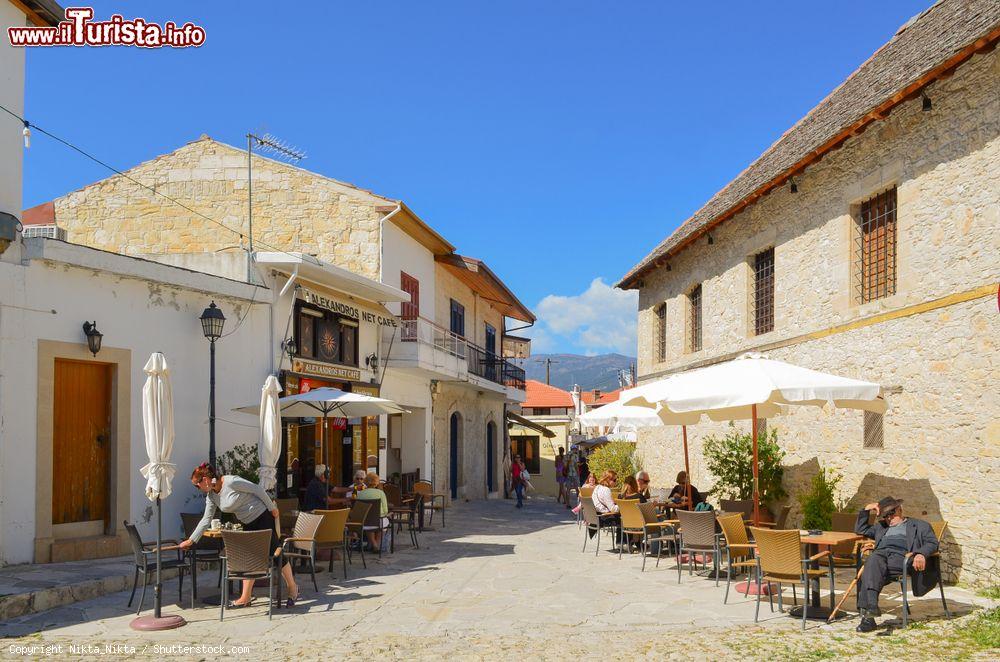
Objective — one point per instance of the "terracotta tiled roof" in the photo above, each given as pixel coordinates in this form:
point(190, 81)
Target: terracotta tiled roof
point(591, 398)
point(43, 214)
point(927, 47)
point(540, 394)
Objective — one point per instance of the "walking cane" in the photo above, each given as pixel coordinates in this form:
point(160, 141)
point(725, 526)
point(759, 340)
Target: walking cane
point(847, 593)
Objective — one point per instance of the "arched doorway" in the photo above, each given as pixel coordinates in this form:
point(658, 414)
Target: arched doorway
point(491, 433)
point(454, 436)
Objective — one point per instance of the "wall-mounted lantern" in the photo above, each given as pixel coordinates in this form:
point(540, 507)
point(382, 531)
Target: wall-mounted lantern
point(289, 347)
point(94, 337)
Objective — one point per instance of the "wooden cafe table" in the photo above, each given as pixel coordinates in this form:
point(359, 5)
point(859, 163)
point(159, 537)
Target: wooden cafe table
point(813, 543)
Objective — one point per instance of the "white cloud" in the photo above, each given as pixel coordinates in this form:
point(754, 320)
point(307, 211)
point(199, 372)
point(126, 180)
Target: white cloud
point(600, 319)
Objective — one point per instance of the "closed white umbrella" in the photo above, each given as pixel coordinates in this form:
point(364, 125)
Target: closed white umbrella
point(752, 386)
point(158, 429)
point(269, 443)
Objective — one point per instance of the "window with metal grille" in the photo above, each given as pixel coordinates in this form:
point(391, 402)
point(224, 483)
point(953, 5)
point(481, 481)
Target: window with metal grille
point(763, 291)
point(694, 324)
point(875, 248)
point(874, 430)
point(661, 332)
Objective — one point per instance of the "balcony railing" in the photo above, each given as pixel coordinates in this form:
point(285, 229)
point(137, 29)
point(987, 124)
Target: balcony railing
point(422, 330)
point(482, 363)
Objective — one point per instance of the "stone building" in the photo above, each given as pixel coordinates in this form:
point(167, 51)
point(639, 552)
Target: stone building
point(864, 242)
point(442, 357)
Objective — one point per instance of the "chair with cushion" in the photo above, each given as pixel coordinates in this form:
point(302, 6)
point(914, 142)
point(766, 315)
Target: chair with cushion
point(248, 556)
point(739, 551)
point(586, 492)
point(144, 554)
point(356, 527)
point(939, 528)
point(302, 543)
point(655, 532)
point(431, 499)
point(331, 533)
point(206, 550)
point(596, 523)
point(780, 561)
point(697, 537)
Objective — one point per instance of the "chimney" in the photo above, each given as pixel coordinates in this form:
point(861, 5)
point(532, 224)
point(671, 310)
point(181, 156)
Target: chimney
point(597, 394)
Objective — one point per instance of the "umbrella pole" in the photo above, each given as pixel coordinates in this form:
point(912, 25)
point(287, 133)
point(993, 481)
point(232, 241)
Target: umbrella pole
point(322, 443)
point(756, 472)
point(687, 466)
point(158, 592)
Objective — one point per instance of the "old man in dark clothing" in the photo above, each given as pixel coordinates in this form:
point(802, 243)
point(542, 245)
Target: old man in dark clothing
point(902, 544)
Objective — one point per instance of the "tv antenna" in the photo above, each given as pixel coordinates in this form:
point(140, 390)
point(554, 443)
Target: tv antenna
point(274, 146)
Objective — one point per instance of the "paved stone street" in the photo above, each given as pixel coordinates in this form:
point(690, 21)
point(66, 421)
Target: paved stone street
point(496, 583)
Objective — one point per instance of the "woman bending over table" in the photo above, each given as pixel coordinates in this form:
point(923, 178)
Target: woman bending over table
point(252, 507)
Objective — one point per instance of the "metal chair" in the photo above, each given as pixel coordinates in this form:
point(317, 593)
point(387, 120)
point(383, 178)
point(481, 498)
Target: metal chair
point(145, 562)
point(407, 515)
point(356, 527)
point(596, 522)
point(426, 488)
point(654, 531)
point(739, 551)
point(331, 533)
point(697, 535)
point(780, 561)
point(742, 506)
point(302, 543)
point(781, 521)
point(206, 550)
point(585, 493)
point(373, 520)
point(632, 523)
point(844, 553)
point(248, 556)
point(285, 515)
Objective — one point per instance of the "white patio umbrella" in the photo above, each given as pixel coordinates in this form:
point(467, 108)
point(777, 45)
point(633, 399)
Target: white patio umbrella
point(158, 428)
point(269, 443)
point(326, 402)
point(752, 386)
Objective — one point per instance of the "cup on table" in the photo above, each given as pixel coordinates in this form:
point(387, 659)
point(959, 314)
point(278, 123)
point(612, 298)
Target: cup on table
point(216, 524)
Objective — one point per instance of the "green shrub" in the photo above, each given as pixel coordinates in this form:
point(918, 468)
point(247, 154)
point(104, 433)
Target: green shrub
point(619, 456)
point(818, 504)
point(730, 460)
point(242, 460)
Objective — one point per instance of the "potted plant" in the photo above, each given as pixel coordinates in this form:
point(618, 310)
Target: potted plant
point(730, 459)
point(819, 504)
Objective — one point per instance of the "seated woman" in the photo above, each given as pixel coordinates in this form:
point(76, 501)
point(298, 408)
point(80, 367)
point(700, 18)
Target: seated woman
point(678, 495)
point(604, 502)
point(591, 482)
point(252, 506)
point(359, 482)
point(372, 492)
point(631, 489)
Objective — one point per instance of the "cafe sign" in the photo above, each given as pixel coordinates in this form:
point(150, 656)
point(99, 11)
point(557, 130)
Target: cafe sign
point(348, 310)
point(318, 369)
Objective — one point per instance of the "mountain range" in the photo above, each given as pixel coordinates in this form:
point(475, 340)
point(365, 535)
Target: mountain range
point(590, 372)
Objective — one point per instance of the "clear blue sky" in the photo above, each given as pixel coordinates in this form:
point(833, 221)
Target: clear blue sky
point(557, 140)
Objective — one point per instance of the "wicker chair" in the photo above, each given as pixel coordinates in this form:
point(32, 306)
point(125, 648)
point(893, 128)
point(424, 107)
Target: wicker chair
point(356, 527)
point(780, 561)
point(654, 531)
point(206, 550)
point(782, 520)
point(145, 562)
point(373, 520)
point(248, 556)
point(302, 543)
point(407, 515)
point(392, 494)
point(596, 522)
point(425, 488)
point(586, 492)
point(844, 554)
point(697, 535)
point(739, 551)
point(286, 515)
point(939, 528)
point(632, 523)
point(331, 533)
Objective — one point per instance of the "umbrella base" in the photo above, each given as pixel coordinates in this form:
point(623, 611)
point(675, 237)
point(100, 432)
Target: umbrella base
point(152, 623)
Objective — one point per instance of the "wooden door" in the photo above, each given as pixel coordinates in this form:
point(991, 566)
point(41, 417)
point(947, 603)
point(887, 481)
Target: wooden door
point(81, 441)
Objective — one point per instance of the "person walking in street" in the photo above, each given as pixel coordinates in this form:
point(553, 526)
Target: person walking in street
point(561, 477)
point(515, 479)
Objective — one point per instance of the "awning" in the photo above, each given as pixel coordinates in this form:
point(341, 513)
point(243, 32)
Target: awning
point(515, 419)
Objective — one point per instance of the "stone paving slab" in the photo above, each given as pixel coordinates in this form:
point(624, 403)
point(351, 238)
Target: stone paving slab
point(494, 573)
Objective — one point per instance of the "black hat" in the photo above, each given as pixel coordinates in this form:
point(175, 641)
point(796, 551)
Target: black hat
point(887, 505)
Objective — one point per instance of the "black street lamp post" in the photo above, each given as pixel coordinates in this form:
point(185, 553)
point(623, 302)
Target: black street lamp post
point(212, 321)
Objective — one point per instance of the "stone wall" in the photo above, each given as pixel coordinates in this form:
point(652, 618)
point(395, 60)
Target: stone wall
point(933, 343)
point(478, 311)
point(293, 209)
point(475, 409)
